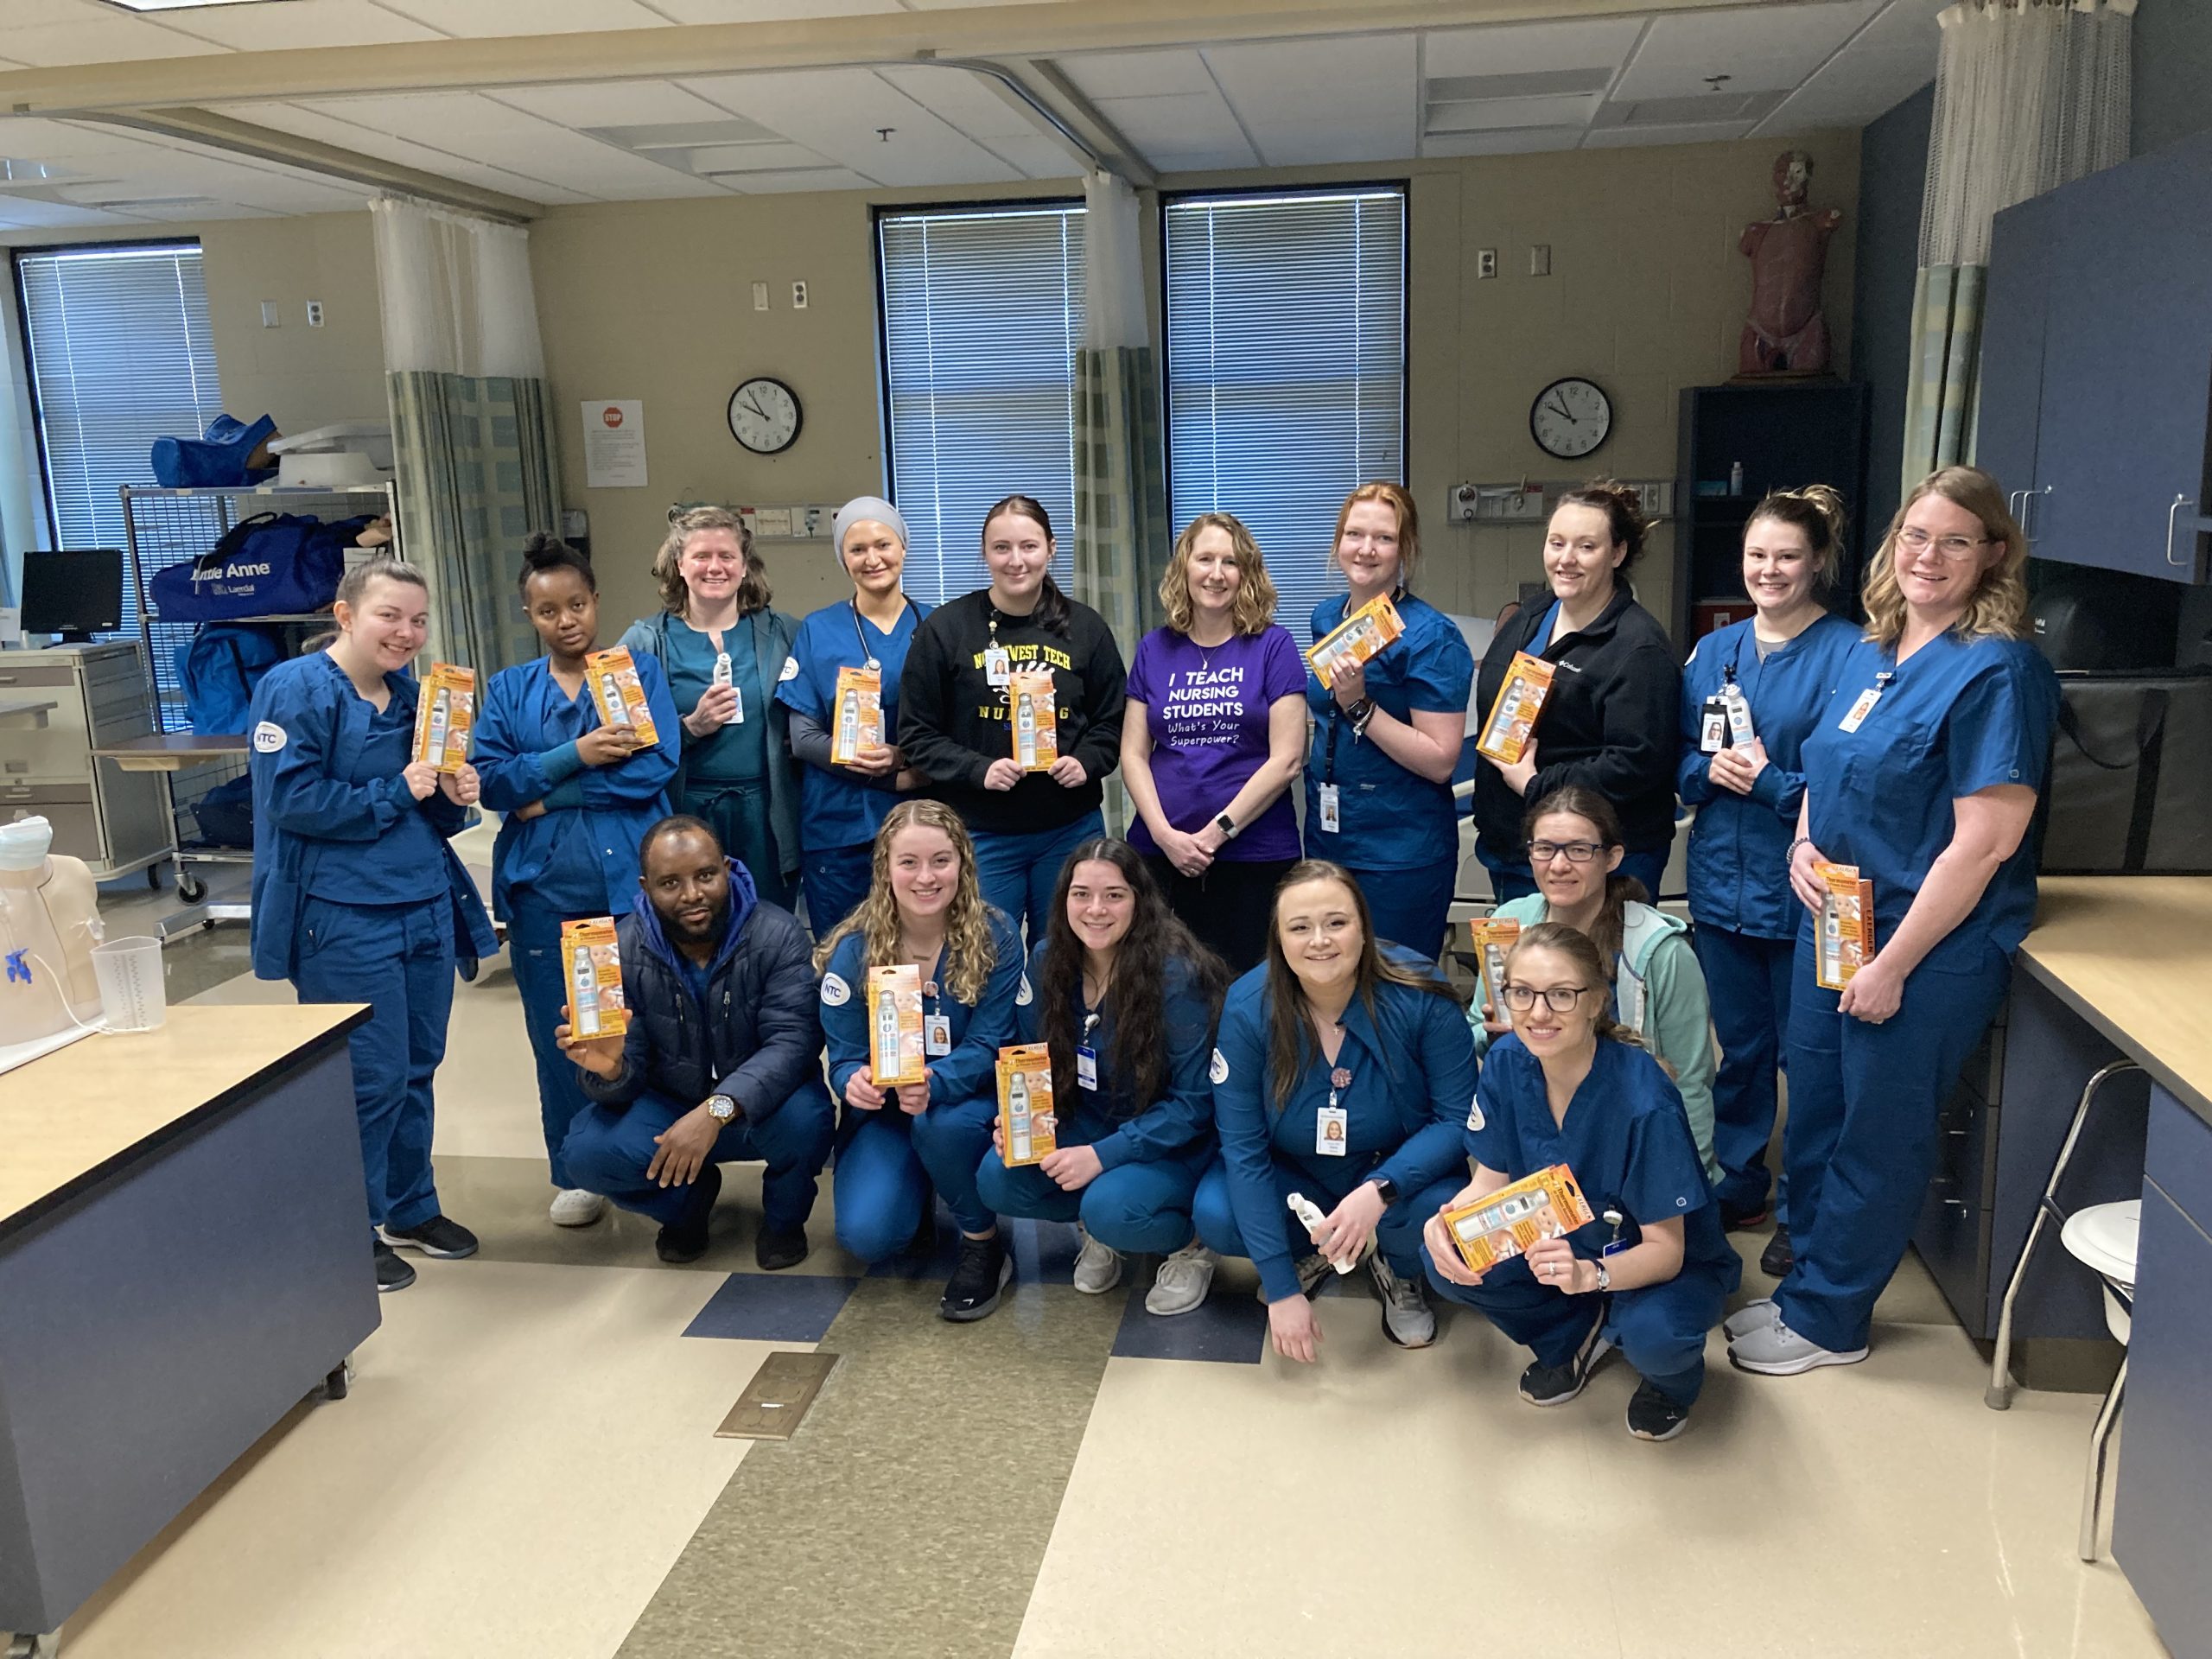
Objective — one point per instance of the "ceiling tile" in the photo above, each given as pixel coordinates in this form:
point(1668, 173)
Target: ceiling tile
point(838, 113)
point(1894, 56)
point(1519, 48)
point(1760, 49)
point(34, 138)
point(1352, 99)
point(1516, 141)
point(1492, 114)
point(488, 18)
point(1136, 74)
point(300, 22)
point(769, 184)
point(1038, 157)
point(756, 11)
point(611, 103)
point(963, 98)
point(98, 34)
point(1701, 133)
point(1173, 127)
point(360, 128)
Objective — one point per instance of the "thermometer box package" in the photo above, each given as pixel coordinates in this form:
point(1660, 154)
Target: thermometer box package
point(1504, 1223)
point(443, 713)
point(894, 1025)
point(620, 694)
point(1362, 635)
point(1512, 719)
point(1847, 925)
point(594, 965)
point(1036, 714)
point(1493, 937)
point(860, 714)
point(1025, 1120)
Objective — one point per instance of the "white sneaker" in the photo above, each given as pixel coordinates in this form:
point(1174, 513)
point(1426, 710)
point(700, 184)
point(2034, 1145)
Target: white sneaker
point(1406, 1317)
point(1183, 1281)
point(1750, 1318)
point(574, 1207)
point(1099, 1269)
point(1774, 1349)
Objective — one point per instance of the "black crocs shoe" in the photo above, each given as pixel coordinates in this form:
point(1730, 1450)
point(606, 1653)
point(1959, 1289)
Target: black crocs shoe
point(972, 1293)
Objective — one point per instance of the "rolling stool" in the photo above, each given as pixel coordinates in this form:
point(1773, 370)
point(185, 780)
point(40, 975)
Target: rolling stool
point(2102, 1238)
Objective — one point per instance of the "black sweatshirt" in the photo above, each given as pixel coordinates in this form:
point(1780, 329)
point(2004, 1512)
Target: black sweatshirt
point(952, 720)
point(1612, 723)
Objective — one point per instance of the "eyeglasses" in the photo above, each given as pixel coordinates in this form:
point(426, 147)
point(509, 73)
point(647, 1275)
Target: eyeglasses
point(1951, 547)
point(1560, 999)
point(1577, 852)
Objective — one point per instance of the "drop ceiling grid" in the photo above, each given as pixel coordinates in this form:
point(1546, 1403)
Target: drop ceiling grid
point(1760, 49)
point(836, 112)
point(1308, 102)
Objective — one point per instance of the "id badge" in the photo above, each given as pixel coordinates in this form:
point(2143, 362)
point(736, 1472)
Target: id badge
point(998, 665)
point(1860, 710)
point(1332, 1124)
point(1330, 820)
point(1086, 1068)
point(1713, 727)
point(737, 715)
point(936, 1034)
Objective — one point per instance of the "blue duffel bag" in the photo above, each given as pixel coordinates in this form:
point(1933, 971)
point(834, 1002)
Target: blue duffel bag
point(271, 564)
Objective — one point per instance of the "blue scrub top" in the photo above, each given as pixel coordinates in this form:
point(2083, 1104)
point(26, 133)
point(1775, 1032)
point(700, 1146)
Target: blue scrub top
point(1624, 1135)
point(406, 864)
point(1738, 852)
point(1412, 1074)
point(1391, 819)
point(1958, 716)
point(837, 811)
point(739, 753)
point(979, 1028)
point(581, 856)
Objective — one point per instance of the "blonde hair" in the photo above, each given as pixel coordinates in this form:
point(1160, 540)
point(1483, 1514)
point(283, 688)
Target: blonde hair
point(1394, 496)
point(970, 952)
point(752, 593)
point(1999, 605)
point(1814, 511)
point(1254, 606)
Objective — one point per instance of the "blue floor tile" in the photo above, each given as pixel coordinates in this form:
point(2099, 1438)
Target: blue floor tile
point(1230, 1326)
point(772, 1308)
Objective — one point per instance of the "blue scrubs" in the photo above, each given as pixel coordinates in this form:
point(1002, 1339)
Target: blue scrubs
point(358, 898)
point(840, 814)
point(1398, 833)
point(1747, 918)
point(888, 1160)
point(578, 859)
point(1955, 717)
point(1412, 1073)
point(1626, 1136)
point(1153, 1154)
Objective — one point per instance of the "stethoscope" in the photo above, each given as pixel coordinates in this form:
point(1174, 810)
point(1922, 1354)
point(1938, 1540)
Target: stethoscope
point(868, 657)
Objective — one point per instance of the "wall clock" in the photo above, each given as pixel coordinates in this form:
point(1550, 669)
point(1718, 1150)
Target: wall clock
point(1570, 418)
point(764, 416)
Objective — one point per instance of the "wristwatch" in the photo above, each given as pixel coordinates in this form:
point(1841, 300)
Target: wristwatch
point(1604, 1279)
point(1360, 713)
point(1387, 1187)
point(720, 1108)
point(1227, 825)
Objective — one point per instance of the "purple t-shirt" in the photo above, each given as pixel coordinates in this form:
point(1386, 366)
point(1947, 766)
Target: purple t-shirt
point(1206, 709)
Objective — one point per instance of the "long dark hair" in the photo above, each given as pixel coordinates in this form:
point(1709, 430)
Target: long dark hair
point(1053, 609)
point(1138, 990)
point(1621, 891)
point(1291, 1043)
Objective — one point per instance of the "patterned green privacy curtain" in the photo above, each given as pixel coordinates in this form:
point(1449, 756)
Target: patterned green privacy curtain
point(1943, 399)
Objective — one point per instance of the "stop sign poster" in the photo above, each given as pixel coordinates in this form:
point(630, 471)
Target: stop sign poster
point(614, 443)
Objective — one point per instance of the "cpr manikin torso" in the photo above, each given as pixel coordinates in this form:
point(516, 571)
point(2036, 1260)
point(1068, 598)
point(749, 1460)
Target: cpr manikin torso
point(49, 922)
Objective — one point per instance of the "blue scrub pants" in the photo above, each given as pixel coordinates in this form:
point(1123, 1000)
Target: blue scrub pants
point(1507, 881)
point(835, 879)
point(1660, 1329)
point(1648, 867)
point(1865, 1101)
point(534, 953)
point(738, 813)
point(1139, 1208)
point(398, 959)
point(1410, 906)
point(1397, 1234)
point(887, 1163)
point(1019, 873)
point(609, 1148)
point(1748, 979)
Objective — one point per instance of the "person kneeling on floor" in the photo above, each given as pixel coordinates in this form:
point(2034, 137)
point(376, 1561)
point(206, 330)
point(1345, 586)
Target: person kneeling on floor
point(1651, 1274)
point(723, 1061)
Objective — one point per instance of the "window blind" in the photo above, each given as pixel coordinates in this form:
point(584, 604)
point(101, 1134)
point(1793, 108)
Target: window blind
point(1285, 368)
point(982, 315)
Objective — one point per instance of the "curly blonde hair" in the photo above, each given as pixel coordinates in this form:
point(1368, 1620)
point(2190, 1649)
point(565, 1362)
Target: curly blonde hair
point(970, 955)
point(1999, 607)
point(752, 593)
point(1255, 592)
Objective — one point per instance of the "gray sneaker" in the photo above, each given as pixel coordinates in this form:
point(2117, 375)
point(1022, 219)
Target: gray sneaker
point(1748, 1318)
point(1406, 1317)
point(1098, 1268)
point(1774, 1349)
point(1183, 1281)
point(1313, 1271)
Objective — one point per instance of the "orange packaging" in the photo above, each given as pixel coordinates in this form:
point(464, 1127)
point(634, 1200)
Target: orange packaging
point(1026, 1119)
point(1493, 937)
point(1512, 719)
point(894, 1025)
point(1847, 925)
point(612, 676)
point(1033, 706)
point(1360, 636)
point(858, 716)
point(594, 965)
point(1504, 1223)
point(443, 713)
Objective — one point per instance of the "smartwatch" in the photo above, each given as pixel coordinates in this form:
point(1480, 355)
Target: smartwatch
point(1360, 713)
point(1227, 825)
point(1383, 1185)
point(1604, 1279)
point(720, 1108)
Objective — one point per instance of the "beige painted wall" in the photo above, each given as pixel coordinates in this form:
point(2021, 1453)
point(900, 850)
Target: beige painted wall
point(304, 376)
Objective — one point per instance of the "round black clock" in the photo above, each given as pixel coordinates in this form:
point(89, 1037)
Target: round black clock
point(764, 416)
point(1570, 418)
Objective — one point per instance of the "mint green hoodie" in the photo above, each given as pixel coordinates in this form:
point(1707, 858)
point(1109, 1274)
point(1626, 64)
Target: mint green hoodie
point(1658, 992)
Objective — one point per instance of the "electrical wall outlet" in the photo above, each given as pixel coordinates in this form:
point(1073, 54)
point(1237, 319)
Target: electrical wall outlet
point(798, 296)
point(759, 297)
point(1486, 262)
point(315, 313)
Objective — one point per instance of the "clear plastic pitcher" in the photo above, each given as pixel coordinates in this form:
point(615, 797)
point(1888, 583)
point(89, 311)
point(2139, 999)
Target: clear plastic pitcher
point(132, 995)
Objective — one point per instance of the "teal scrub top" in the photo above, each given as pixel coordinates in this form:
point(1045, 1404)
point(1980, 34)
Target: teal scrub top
point(739, 753)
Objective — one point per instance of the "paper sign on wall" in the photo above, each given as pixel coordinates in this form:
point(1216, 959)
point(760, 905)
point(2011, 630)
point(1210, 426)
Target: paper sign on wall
point(614, 444)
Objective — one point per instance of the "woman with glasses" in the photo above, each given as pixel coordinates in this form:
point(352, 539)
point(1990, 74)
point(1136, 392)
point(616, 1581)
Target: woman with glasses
point(1652, 976)
point(1922, 775)
point(1649, 1274)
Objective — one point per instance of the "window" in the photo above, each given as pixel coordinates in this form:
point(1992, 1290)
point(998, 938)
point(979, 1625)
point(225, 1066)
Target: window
point(982, 315)
point(1285, 368)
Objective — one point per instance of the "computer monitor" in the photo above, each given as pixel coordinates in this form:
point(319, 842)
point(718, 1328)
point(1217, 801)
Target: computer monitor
point(76, 594)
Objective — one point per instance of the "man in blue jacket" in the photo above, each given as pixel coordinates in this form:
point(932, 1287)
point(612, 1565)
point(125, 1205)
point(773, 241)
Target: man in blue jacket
point(723, 1059)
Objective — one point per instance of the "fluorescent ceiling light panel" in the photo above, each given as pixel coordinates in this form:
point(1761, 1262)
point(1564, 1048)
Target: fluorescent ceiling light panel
point(189, 5)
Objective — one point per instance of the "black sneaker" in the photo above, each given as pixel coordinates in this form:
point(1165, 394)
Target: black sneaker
point(972, 1293)
point(778, 1248)
point(444, 1240)
point(392, 1274)
point(1554, 1385)
point(1654, 1416)
point(685, 1239)
point(1779, 1256)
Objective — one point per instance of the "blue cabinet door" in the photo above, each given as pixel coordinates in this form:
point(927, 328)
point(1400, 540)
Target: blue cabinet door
point(2015, 307)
